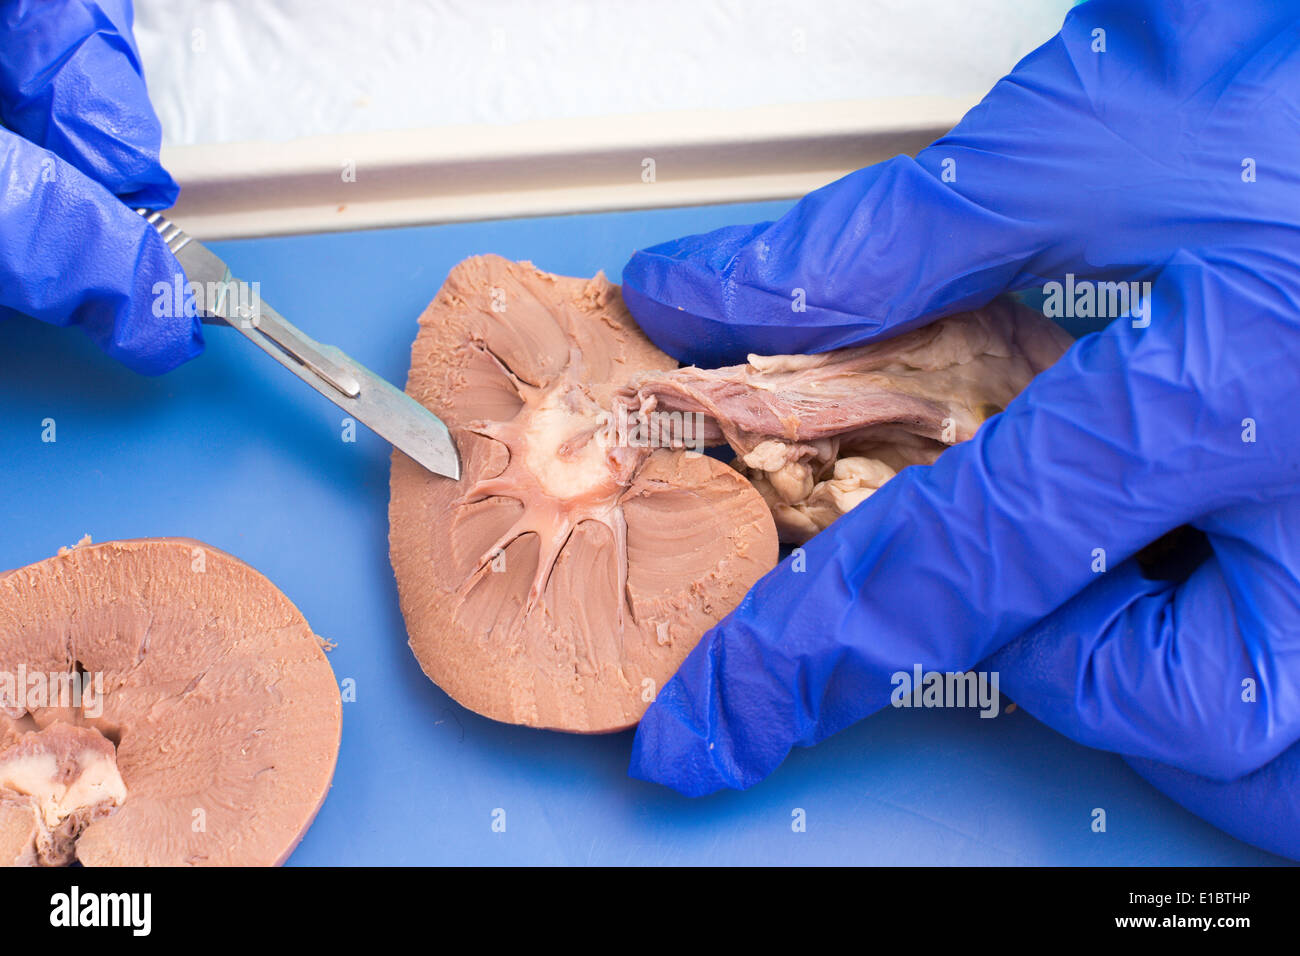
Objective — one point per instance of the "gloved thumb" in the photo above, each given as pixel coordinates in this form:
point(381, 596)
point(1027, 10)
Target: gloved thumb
point(1193, 673)
point(877, 251)
point(72, 254)
point(1262, 808)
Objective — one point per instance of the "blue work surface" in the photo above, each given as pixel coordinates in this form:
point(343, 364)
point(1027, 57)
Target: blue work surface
point(234, 451)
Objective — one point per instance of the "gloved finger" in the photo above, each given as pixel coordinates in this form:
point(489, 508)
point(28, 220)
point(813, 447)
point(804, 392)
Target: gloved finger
point(71, 81)
point(72, 254)
point(1132, 433)
point(1202, 674)
point(1261, 808)
point(1076, 162)
point(853, 260)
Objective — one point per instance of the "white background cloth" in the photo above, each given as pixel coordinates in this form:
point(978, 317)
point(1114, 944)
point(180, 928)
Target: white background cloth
point(228, 71)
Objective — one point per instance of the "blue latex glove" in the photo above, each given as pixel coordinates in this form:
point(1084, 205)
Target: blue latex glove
point(78, 149)
point(1129, 163)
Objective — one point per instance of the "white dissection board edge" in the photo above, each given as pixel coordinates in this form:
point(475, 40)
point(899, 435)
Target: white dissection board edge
point(451, 174)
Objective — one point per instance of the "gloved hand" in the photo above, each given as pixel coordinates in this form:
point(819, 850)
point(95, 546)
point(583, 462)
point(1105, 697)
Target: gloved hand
point(1146, 141)
point(78, 150)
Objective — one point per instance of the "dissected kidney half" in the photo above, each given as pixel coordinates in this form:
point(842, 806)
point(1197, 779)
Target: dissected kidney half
point(161, 704)
point(568, 573)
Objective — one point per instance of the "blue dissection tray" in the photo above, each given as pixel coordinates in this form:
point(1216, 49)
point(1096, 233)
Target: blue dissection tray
point(236, 452)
